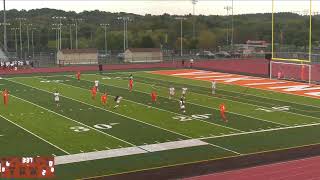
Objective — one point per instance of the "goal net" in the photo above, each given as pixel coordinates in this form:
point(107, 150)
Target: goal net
point(290, 71)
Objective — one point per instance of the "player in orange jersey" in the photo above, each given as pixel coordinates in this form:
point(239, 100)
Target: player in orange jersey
point(154, 96)
point(78, 75)
point(5, 95)
point(93, 92)
point(222, 112)
point(130, 84)
point(104, 99)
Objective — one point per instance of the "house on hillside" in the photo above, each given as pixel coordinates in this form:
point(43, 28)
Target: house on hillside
point(138, 55)
point(77, 56)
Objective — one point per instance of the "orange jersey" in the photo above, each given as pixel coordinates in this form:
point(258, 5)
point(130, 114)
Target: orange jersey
point(94, 91)
point(222, 108)
point(78, 75)
point(154, 94)
point(104, 98)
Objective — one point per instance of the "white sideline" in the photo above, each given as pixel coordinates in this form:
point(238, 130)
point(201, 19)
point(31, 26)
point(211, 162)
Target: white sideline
point(89, 156)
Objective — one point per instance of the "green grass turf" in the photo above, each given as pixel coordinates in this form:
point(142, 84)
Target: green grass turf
point(16, 141)
point(137, 121)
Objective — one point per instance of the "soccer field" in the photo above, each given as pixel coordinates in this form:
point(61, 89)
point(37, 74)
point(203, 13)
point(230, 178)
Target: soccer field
point(91, 140)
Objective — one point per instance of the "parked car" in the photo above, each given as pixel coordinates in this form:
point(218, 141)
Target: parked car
point(206, 54)
point(120, 56)
point(223, 54)
point(106, 55)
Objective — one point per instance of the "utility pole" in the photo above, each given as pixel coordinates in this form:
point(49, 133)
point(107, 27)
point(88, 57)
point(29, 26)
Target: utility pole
point(77, 20)
point(232, 26)
point(5, 46)
point(15, 38)
point(105, 37)
point(28, 38)
point(125, 32)
point(228, 8)
point(181, 33)
point(57, 37)
point(70, 32)
point(60, 29)
point(194, 2)
point(20, 28)
point(32, 43)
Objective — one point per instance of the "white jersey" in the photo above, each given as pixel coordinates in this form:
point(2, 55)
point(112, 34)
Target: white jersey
point(184, 91)
point(171, 90)
point(56, 96)
point(181, 103)
point(118, 99)
point(213, 85)
point(96, 83)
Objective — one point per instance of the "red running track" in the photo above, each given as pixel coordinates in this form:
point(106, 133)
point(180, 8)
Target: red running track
point(303, 169)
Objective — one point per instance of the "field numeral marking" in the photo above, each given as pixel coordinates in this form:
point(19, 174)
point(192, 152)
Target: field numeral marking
point(275, 109)
point(97, 126)
point(192, 117)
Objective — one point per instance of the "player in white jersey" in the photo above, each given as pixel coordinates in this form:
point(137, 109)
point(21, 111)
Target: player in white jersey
point(213, 87)
point(182, 105)
point(117, 100)
point(171, 92)
point(96, 84)
point(184, 92)
point(56, 98)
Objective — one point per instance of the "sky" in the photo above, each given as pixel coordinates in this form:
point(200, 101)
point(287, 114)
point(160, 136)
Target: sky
point(177, 7)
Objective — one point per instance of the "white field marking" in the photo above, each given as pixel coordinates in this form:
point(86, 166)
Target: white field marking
point(1, 135)
point(167, 110)
point(115, 113)
point(260, 131)
point(109, 111)
point(216, 76)
point(35, 135)
point(265, 83)
point(247, 93)
point(89, 156)
point(250, 105)
point(224, 148)
point(215, 109)
point(74, 120)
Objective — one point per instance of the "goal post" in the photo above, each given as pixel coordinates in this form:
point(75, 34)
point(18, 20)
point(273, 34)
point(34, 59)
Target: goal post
point(282, 49)
point(291, 71)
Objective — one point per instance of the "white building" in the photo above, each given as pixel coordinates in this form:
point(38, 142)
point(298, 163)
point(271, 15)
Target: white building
point(138, 55)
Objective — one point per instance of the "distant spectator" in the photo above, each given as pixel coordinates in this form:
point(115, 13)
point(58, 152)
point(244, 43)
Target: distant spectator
point(182, 63)
point(191, 63)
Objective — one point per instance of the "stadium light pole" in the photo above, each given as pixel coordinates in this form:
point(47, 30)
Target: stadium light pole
point(105, 37)
point(15, 38)
point(57, 37)
point(232, 24)
point(5, 46)
point(32, 43)
point(28, 38)
point(125, 32)
point(181, 33)
point(77, 20)
point(60, 18)
point(20, 27)
point(228, 8)
point(70, 32)
point(194, 2)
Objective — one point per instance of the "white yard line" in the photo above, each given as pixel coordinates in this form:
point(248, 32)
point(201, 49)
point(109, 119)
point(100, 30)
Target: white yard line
point(241, 103)
point(70, 118)
point(164, 109)
point(114, 113)
point(261, 131)
point(215, 109)
point(35, 135)
point(244, 93)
